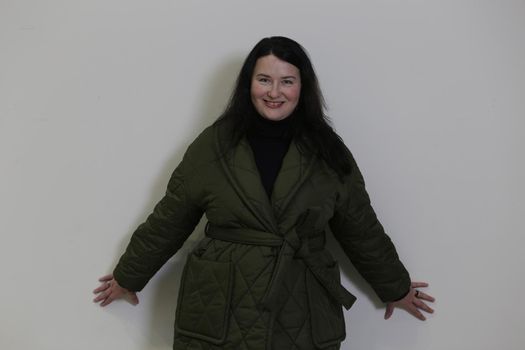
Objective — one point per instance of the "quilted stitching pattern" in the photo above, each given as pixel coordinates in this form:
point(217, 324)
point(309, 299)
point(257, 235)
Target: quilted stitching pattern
point(292, 320)
point(205, 299)
point(234, 197)
point(328, 323)
point(247, 324)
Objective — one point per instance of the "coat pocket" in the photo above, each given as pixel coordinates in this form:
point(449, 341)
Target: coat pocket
point(204, 299)
point(328, 324)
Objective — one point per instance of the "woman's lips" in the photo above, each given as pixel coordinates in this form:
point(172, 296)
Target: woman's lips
point(273, 104)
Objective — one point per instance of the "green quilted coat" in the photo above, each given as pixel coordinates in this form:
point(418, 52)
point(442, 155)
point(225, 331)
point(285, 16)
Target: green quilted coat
point(261, 278)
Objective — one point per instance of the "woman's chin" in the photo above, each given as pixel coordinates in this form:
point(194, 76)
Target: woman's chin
point(274, 116)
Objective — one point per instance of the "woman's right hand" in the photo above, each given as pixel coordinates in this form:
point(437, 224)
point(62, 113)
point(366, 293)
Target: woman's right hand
point(110, 290)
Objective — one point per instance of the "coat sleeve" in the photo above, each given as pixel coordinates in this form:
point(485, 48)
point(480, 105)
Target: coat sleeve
point(362, 237)
point(162, 234)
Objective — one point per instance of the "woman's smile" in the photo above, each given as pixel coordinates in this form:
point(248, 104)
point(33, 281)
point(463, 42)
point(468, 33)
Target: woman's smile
point(273, 104)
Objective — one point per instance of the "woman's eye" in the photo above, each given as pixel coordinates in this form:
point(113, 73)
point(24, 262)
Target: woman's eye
point(288, 82)
point(264, 80)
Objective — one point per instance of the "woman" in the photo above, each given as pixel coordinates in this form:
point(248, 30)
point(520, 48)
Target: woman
point(271, 176)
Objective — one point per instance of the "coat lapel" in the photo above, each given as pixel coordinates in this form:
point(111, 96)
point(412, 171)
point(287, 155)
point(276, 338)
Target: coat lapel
point(242, 173)
point(296, 168)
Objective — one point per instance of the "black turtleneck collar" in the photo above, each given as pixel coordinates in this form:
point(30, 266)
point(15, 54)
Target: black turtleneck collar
point(273, 129)
point(269, 140)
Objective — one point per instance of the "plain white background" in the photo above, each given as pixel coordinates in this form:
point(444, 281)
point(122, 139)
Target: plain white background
point(99, 99)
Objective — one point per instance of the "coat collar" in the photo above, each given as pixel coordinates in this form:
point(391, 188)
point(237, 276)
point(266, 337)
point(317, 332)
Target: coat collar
point(241, 170)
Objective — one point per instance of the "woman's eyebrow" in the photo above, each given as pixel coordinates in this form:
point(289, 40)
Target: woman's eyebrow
point(268, 76)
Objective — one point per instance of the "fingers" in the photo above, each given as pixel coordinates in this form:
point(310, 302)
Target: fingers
point(425, 296)
point(107, 296)
point(102, 288)
point(412, 309)
point(423, 306)
point(102, 296)
point(413, 302)
point(108, 300)
point(389, 311)
point(106, 278)
point(421, 295)
point(107, 292)
point(419, 284)
point(417, 303)
point(110, 290)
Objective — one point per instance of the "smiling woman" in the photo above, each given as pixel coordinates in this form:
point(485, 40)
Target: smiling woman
point(276, 87)
point(281, 177)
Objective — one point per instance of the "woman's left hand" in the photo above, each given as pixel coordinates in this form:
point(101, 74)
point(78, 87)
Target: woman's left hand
point(110, 290)
point(412, 302)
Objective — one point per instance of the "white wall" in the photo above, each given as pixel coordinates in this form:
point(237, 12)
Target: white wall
point(98, 100)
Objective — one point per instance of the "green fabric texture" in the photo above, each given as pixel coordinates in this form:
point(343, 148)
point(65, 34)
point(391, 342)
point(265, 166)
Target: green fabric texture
point(267, 282)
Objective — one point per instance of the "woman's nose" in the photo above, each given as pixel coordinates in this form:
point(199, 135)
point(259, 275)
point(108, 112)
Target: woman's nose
point(274, 91)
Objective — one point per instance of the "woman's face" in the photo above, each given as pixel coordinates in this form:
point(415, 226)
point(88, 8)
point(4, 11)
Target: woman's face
point(275, 88)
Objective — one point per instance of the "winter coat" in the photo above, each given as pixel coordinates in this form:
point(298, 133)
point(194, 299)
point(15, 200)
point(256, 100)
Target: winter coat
point(261, 277)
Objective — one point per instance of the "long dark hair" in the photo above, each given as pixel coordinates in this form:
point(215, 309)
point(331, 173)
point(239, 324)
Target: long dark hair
point(310, 125)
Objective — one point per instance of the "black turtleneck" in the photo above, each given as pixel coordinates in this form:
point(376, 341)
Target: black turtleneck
point(269, 140)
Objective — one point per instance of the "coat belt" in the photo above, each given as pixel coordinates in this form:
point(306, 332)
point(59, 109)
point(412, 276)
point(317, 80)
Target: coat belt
point(295, 243)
